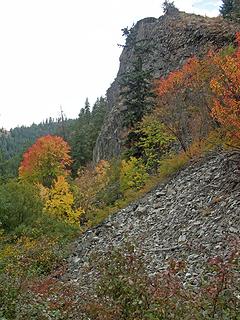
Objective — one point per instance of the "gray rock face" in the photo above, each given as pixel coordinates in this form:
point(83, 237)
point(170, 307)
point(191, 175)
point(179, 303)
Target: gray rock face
point(192, 217)
point(176, 38)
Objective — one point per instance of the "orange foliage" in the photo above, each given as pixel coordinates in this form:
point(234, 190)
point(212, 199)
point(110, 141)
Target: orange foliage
point(200, 96)
point(184, 101)
point(226, 87)
point(90, 182)
point(179, 78)
point(46, 159)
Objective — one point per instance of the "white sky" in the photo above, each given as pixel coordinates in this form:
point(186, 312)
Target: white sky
point(58, 52)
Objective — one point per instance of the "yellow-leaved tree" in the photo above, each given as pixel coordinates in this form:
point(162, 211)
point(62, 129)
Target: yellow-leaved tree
point(90, 182)
point(133, 174)
point(59, 201)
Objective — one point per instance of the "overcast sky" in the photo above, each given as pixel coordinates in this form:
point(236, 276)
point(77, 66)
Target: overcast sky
point(58, 52)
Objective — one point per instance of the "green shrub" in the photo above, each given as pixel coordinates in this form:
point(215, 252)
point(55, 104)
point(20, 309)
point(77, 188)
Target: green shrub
point(150, 141)
point(9, 291)
point(122, 289)
point(133, 174)
point(20, 204)
point(112, 191)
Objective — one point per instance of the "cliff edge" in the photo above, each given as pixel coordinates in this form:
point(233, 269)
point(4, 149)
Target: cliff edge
point(176, 38)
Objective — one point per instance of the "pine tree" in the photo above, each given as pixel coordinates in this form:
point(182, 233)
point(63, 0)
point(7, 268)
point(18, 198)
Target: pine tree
point(136, 84)
point(169, 7)
point(230, 9)
point(87, 111)
point(98, 114)
point(80, 140)
point(137, 92)
point(86, 131)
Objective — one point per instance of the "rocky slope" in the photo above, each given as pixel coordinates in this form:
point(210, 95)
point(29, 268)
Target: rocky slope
point(176, 37)
point(192, 216)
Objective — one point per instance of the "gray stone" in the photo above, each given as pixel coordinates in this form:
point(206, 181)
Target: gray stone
point(141, 209)
point(175, 231)
point(175, 41)
point(182, 238)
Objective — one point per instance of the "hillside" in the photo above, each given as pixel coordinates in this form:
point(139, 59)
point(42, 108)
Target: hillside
point(175, 38)
point(80, 133)
point(192, 217)
point(146, 225)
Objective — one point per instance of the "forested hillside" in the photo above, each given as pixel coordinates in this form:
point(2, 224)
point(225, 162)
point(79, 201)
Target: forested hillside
point(151, 230)
point(14, 142)
point(81, 134)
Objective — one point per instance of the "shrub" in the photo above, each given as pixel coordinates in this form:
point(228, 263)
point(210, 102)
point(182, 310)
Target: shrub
point(150, 141)
point(122, 289)
point(59, 201)
point(225, 86)
point(9, 292)
point(133, 174)
point(89, 184)
point(111, 192)
point(125, 291)
point(20, 204)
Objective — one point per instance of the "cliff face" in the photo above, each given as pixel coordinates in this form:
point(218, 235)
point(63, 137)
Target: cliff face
point(176, 38)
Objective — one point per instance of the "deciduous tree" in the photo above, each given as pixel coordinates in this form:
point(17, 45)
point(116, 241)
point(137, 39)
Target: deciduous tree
point(45, 160)
point(226, 88)
point(59, 201)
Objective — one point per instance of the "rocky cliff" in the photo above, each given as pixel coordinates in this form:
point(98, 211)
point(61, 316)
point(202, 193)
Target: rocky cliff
point(191, 217)
point(176, 37)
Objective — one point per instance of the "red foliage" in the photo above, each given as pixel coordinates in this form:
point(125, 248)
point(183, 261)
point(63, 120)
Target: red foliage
point(201, 95)
point(46, 159)
point(226, 88)
point(184, 101)
point(179, 78)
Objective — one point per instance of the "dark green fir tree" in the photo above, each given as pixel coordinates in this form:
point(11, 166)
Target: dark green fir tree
point(137, 92)
point(136, 84)
point(86, 131)
point(230, 9)
point(169, 7)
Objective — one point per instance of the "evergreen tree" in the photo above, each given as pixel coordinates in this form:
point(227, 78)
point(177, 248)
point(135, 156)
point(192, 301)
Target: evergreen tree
point(86, 131)
point(230, 9)
point(136, 84)
point(169, 7)
point(98, 114)
point(137, 93)
point(80, 141)
point(87, 111)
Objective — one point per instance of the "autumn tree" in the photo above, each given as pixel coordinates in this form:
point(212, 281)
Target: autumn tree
point(59, 201)
point(185, 100)
point(90, 182)
point(226, 89)
point(45, 160)
point(133, 174)
point(150, 141)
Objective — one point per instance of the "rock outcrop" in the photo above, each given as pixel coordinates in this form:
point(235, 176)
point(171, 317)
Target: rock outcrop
point(176, 38)
point(192, 216)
